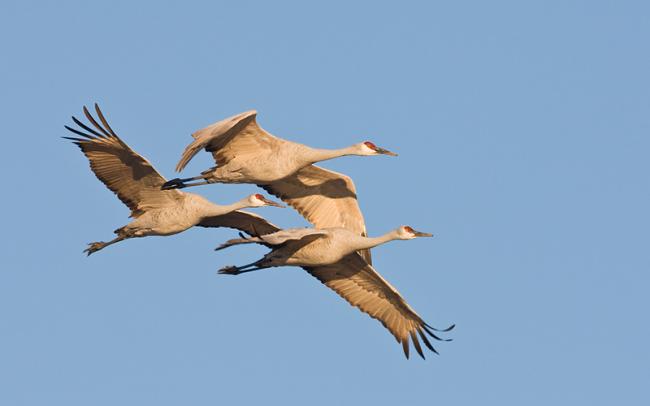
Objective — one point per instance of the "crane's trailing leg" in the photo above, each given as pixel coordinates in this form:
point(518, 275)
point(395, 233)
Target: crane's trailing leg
point(237, 241)
point(236, 270)
point(96, 246)
point(179, 183)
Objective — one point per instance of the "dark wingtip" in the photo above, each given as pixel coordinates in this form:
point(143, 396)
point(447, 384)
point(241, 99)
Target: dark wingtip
point(87, 136)
point(439, 330)
point(85, 127)
point(416, 344)
point(432, 334)
point(426, 340)
point(95, 123)
point(104, 121)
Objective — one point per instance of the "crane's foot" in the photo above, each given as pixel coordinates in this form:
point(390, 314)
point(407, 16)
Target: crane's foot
point(94, 247)
point(173, 184)
point(229, 270)
point(236, 270)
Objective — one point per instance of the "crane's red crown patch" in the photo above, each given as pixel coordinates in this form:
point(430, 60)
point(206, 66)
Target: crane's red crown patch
point(370, 145)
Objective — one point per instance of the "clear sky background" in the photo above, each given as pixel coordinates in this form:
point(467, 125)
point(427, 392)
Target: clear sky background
point(523, 132)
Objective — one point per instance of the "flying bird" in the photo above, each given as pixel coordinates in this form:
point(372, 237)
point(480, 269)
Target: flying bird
point(138, 185)
point(331, 256)
point(246, 153)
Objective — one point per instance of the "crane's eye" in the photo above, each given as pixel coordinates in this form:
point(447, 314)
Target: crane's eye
point(259, 196)
point(409, 230)
point(370, 145)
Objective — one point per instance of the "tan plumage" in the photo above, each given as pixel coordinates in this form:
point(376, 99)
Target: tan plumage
point(240, 131)
point(325, 198)
point(126, 173)
point(250, 223)
point(246, 153)
point(329, 255)
point(359, 284)
point(139, 186)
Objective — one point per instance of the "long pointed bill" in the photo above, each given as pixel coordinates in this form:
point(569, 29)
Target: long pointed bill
point(421, 234)
point(272, 203)
point(385, 152)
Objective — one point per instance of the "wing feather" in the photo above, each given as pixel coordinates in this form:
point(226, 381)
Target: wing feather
point(126, 173)
point(359, 284)
point(291, 239)
point(325, 198)
point(250, 223)
point(223, 139)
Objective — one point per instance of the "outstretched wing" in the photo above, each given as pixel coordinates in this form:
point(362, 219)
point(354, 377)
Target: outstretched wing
point(325, 198)
point(250, 223)
point(357, 282)
point(130, 176)
point(236, 135)
point(293, 234)
point(292, 239)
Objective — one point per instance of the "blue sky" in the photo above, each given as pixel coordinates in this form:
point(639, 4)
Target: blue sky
point(523, 135)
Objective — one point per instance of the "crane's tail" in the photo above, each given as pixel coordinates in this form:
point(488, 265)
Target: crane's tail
point(238, 241)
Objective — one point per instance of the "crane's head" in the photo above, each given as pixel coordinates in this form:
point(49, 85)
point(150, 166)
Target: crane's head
point(258, 200)
point(408, 233)
point(368, 148)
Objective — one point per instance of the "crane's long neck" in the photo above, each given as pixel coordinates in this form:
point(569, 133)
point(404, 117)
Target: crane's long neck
point(313, 155)
point(371, 242)
point(218, 210)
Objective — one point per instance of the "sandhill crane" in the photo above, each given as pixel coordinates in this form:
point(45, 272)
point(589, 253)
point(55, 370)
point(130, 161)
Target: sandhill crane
point(138, 185)
point(329, 255)
point(245, 153)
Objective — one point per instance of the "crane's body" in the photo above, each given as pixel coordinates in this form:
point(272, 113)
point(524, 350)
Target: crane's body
point(139, 186)
point(336, 251)
point(188, 211)
point(330, 255)
point(245, 153)
point(315, 247)
point(269, 165)
point(330, 247)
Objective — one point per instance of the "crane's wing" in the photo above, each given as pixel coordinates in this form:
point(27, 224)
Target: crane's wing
point(122, 170)
point(292, 239)
point(358, 283)
point(237, 135)
point(290, 234)
point(325, 198)
point(250, 223)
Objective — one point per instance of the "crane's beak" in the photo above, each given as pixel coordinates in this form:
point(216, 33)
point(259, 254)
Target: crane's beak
point(385, 152)
point(421, 234)
point(272, 203)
